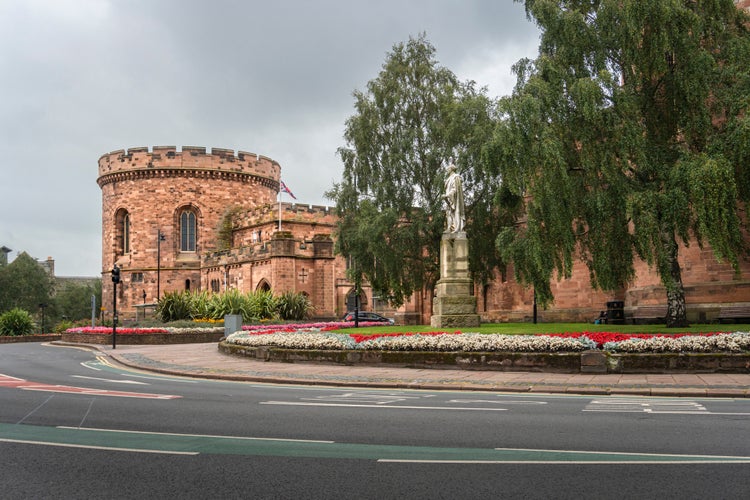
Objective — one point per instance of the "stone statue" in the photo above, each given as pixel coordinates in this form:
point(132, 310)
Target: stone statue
point(454, 196)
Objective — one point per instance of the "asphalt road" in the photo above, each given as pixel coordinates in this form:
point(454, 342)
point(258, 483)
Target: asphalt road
point(73, 426)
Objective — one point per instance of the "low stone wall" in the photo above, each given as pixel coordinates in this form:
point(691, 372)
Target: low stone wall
point(39, 337)
point(572, 362)
point(144, 339)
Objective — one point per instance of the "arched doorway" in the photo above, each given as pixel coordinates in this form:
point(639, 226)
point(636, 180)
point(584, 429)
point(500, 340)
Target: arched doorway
point(263, 286)
point(351, 300)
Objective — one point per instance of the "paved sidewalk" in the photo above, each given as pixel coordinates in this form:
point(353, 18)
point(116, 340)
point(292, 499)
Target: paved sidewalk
point(205, 361)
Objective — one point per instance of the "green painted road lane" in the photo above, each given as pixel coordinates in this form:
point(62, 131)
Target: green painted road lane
point(192, 444)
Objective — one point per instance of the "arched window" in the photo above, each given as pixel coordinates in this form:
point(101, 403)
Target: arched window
point(122, 232)
point(263, 286)
point(126, 234)
point(187, 231)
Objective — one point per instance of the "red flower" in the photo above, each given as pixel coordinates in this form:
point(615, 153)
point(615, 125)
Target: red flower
point(602, 338)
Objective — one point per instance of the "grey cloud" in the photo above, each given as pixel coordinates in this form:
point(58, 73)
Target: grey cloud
point(82, 78)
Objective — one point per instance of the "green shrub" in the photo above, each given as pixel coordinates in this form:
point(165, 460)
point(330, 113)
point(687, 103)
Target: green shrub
point(261, 305)
point(202, 305)
point(173, 306)
point(252, 306)
point(293, 306)
point(62, 326)
point(16, 322)
point(230, 302)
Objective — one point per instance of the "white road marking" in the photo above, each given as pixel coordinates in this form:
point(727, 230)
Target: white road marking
point(213, 436)
point(111, 380)
point(653, 407)
point(395, 407)
point(363, 397)
point(91, 447)
point(498, 401)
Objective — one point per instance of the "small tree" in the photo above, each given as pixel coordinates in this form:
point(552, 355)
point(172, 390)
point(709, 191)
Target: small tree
point(412, 119)
point(24, 284)
point(73, 301)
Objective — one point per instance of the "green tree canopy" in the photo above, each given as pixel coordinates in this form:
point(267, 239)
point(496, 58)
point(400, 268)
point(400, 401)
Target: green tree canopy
point(627, 135)
point(412, 119)
point(24, 284)
point(73, 301)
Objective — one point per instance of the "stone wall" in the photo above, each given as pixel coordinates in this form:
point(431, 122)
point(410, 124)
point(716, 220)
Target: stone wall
point(709, 286)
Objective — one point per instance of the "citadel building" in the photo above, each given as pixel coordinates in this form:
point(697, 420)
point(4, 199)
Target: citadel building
point(198, 220)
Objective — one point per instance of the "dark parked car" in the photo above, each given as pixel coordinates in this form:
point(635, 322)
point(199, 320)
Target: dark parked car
point(367, 316)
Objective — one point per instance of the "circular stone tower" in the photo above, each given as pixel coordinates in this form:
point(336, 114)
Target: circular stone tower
point(162, 209)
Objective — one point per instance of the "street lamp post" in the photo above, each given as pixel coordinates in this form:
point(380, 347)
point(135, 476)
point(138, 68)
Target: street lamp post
point(43, 306)
point(115, 281)
point(159, 238)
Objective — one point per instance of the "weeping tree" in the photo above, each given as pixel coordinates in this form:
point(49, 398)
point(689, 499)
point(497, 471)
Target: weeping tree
point(627, 136)
point(409, 122)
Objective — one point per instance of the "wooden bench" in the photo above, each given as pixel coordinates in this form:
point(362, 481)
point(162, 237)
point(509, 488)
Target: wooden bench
point(730, 314)
point(643, 315)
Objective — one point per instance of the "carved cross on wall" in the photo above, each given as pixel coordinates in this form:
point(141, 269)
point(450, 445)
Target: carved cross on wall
point(303, 275)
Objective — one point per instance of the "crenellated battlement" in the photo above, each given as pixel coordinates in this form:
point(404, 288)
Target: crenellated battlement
point(290, 212)
point(166, 161)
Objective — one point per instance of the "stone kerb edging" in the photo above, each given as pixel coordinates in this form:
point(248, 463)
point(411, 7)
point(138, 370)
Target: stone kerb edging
point(557, 362)
point(143, 339)
point(37, 337)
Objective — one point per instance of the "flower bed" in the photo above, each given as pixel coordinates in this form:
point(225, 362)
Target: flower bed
point(107, 330)
point(319, 336)
point(169, 335)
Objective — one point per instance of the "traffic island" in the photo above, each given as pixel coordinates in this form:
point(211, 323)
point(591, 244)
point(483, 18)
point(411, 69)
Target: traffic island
point(557, 362)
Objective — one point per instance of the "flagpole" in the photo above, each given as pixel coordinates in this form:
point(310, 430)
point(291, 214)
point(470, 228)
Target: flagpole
point(279, 207)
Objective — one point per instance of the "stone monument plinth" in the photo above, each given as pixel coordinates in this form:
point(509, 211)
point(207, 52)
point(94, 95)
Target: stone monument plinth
point(453, 304)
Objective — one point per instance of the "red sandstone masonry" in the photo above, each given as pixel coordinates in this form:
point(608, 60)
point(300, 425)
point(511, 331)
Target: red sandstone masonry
point(155, 186)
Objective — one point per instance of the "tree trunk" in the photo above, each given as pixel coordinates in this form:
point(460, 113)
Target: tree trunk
point(676, 311)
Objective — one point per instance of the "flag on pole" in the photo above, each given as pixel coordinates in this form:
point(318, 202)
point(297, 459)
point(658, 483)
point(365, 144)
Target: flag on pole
point(284, 189)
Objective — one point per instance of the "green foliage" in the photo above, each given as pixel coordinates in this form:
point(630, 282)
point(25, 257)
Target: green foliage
point(293, 306)
point(627, 135)
point(16, 322)
point(226, 227)
point(175, 306)
point(73, 301)
point(202, 305)
point(252, 306)
point(62, 326)
point(24, 284)
point(412, 119)
point(262, 305)
point(231, 302)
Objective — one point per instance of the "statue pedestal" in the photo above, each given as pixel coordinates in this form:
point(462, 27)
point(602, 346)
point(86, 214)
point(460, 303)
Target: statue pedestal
point(453, 305)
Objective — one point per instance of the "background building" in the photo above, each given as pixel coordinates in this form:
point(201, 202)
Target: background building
point(197, 220)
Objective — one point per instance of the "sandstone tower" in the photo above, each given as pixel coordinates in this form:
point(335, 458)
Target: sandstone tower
point(180, 195)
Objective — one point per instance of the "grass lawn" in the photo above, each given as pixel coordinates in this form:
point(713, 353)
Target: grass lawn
point(530, 328)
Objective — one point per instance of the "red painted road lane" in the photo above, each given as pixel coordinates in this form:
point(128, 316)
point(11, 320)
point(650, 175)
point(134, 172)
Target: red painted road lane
point(19, 383)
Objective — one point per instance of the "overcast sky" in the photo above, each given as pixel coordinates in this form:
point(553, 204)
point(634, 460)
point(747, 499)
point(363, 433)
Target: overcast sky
point(80, 78)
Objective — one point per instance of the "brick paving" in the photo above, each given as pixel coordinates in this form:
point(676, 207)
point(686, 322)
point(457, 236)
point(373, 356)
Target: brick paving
point(205, 361)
